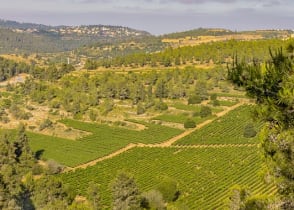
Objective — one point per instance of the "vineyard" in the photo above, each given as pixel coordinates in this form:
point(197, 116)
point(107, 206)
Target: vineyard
point(193, 107)
point(187, 112)
point(103, 141)
point(204, 176)
point(225, 130)
point(180, 118)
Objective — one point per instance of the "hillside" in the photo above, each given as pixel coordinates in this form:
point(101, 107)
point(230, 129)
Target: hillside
point(27, 37)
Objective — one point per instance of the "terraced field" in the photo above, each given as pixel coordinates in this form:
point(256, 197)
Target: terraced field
point(225, 130)
point(103, 141)
point(204, 175)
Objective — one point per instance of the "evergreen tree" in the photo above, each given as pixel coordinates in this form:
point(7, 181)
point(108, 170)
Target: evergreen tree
point(273, 89)
point(94, 196)
point(125, 193)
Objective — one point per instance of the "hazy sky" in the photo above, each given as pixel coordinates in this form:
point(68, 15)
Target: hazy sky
point(155, 16)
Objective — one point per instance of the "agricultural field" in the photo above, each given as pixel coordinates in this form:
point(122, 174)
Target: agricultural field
point(203, 175)
point(102, 141)
point(228, 129)
point(181, 118)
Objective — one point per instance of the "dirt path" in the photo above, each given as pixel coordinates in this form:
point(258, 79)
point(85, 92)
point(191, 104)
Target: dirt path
point(169, 142)
point(186, 133)
point(93, 162)
point(198, 146)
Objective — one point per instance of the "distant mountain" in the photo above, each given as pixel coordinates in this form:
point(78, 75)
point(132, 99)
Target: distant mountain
point(29, 37)
point(270, 33)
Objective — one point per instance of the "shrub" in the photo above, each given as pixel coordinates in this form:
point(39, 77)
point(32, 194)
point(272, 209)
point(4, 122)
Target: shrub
point(249, 131)
point(140, 109)
point(54, 167)
point(161, 106)
point(196, 99)
point(213, 96)
point(152, 200)
point(6, 103)
point(169, 189)
point(45, 124)
point(215, 103)
point(189, 123)
point(205, 111)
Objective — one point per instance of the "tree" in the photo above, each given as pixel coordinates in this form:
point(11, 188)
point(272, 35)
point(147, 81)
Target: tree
point(161, 106)
point(50, 193)
point(152, 200)
point(140, 109)
point(237, 198)
point(125, 193)
point(205, 111)
point(195, 99)
point(18, 189)
point(161, 89)
point(189, 123)
point(249, 131)
point(273, 89)
point(169, 189)
point(94, 196)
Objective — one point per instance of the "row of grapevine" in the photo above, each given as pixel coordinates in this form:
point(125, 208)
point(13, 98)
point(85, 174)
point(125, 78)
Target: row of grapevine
point(204, 176)
point(228, 129)
point(102, 141)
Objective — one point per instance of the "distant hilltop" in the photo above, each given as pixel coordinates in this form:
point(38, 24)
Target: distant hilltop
point(103, 31)
point(18, 37)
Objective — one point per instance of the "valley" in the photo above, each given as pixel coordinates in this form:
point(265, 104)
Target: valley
point(178, 121)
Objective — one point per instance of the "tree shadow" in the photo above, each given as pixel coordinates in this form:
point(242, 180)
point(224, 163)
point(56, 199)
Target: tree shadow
point(39, 154)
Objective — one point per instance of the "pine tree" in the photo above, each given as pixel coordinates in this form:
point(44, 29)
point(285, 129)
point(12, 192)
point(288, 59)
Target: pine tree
point(273, 89)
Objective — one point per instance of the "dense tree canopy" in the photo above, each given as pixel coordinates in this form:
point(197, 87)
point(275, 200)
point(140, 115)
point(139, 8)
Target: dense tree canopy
point(272, 87)
point(18, 187)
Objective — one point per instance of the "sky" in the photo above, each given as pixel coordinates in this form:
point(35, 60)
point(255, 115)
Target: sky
point(155, 16)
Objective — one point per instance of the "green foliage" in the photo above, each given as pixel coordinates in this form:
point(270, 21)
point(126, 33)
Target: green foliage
point(216, 103)
point(195, 99)
point(94, 196)
point(160, 106)
point(272, 87)
point(18, 188)
point(203, 53)
point(205, 111)
point(152, 200)
point(237, 197)
point(9, 68)
point(189, 123)
point(80, 93)
point(169, 189)
point(192, 169)
point(51, 194)
point(213, 97)
point(125, 193)
point(257, 203)
point(140, 109)
point(249, 131)
point(107, 106)
point(90, 64)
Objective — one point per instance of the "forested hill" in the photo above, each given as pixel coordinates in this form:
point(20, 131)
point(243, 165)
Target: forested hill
point(271, 33)
point(27, 37)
